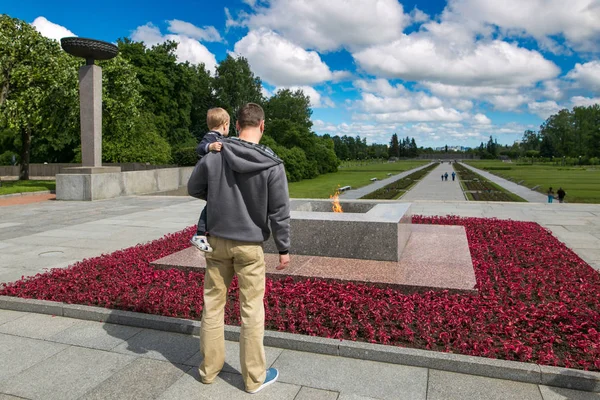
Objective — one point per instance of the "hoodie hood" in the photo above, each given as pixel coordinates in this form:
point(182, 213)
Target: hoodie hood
point(246, 157)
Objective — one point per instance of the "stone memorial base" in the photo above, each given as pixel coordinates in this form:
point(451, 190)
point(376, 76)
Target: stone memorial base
point(435, 257)
point(365, 230)
point(99, 183)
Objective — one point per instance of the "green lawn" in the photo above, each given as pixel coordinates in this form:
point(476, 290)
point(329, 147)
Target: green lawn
point(10, 187)
point(349, 174)
point(582, 184)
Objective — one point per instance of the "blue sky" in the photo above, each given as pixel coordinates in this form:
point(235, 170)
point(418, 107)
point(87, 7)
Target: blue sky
point(450, 72)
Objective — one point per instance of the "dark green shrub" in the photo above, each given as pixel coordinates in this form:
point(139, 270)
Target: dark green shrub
point(185, 156)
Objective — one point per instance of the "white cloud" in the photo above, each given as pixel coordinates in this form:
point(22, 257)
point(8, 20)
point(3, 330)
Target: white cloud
point(332, 24)
point(470, 92)
point(281, 62)
point(580, 101)
point(381, 87)
point(481, 119)
point(374, 133)
point(417, 16)
point(576, 20)
point(50, 29)
point(316, 99)
point(383, 102)
point(552, 89)
point(544, 109)
point(461, 104)
point(586, 75)
point(508, 102)
point(188, 49)
point(206, 34)
point(440, 114)
point(421, 58)
point(379, 105)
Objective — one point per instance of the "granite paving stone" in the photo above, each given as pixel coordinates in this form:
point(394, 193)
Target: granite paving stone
point(9, 397)
point(37, 326)
point(307, 393)
point(556, 393)
point(66, 375)
point(226, 386)
point(95, 335)
point(352, 396)
point(13, 274)
point(232, 357)
point(445, 385)
point(19, 354)
point(159, 345)
point(142, 379)
point(375, 379)
point(9, 315)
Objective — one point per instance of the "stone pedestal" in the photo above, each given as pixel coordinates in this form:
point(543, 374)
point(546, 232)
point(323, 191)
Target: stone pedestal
point(90, 101)
point(365, 230)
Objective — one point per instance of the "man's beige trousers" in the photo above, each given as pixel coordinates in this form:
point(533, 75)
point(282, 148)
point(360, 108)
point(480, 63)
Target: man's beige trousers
point(247, 261)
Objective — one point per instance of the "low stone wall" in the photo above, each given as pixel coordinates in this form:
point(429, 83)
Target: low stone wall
point(85, 187)
point(56, 168)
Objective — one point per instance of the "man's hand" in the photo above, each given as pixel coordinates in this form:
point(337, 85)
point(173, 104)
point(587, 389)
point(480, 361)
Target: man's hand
point(216, 146)
point(284, 261)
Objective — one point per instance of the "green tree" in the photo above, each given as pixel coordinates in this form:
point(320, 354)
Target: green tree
point(168, 88)
point(235, 85)
point(394, 146)
point(531, 140)
point(38, 90)
point(559, 129)
point(546, 147)
point(290, 105)
point(128, 133)
point(413, 150)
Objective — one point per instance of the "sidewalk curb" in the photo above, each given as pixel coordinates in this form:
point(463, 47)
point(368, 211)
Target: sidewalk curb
point(480, 366)
point(37, 193)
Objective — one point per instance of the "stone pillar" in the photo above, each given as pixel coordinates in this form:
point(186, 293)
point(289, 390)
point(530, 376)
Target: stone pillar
point(90, 101)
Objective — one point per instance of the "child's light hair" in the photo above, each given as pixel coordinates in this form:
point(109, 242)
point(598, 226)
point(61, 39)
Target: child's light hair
point(216, 117)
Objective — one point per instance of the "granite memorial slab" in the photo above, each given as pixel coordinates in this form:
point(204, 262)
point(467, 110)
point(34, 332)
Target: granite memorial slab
point(364, 230)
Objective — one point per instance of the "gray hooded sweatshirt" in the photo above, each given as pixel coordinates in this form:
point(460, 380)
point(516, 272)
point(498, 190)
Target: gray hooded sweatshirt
point(245, 187)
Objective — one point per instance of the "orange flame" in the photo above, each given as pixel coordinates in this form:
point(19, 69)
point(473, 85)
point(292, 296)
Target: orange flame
point(336, 206)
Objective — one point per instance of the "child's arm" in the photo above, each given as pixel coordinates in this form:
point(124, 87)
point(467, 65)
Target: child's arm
point(205, 144)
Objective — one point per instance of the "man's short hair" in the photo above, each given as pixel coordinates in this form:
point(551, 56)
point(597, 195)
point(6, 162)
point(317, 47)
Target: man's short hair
point(250, 115)
point(215, 117)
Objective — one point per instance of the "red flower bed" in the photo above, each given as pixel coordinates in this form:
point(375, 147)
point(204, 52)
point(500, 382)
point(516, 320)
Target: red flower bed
point(537, 302)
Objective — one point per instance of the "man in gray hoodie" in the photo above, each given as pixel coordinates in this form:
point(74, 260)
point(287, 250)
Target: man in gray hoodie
point(246, 188)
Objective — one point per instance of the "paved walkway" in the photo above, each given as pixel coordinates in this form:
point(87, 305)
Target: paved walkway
point(431, 187)
point(25, 198)
point(363, 191)
point(45, 357)
point(530, 195)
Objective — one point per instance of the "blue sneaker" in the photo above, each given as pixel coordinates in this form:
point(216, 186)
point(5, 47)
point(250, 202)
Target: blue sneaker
point(272, 375)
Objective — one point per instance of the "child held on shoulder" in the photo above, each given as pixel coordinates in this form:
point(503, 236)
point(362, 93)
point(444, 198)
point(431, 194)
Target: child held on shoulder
point(217, 120)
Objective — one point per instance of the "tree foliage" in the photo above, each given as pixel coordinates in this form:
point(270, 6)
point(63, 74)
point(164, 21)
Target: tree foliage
point(36, 91)
point(235, 85)
point(569, 133)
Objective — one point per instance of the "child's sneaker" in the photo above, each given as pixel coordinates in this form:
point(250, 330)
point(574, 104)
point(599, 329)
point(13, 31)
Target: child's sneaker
point(201, 243)
point(272, 375)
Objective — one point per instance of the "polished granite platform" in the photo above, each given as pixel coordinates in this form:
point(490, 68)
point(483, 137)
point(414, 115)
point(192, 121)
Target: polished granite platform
point(436, 257)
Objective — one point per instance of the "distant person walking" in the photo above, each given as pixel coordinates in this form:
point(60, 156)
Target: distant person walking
point(446, 176)
point(442, 177)
point(453, 175)
point(550, 195)
point(561, 195)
